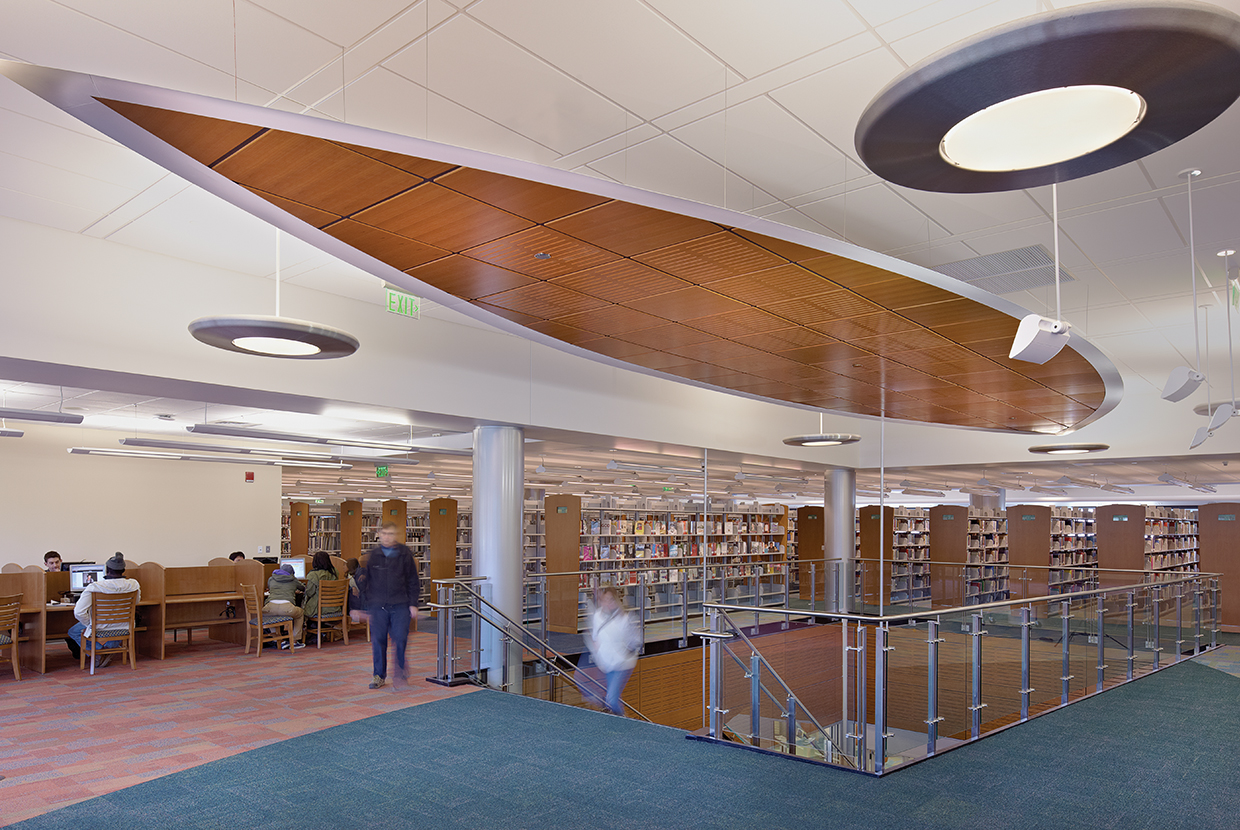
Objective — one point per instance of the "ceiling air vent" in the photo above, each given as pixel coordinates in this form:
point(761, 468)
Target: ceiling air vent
point(1021, 269)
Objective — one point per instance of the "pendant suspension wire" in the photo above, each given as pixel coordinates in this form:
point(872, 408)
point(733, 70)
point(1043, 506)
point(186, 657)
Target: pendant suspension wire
point(1055, 222)
point(1231, 360)
point(277, 272)
point(61, 408)
point(1192, 272)
point(882, 491)
point(1209, 386)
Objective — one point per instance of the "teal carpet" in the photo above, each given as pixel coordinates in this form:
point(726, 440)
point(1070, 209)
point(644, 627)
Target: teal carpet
point(1159, 753)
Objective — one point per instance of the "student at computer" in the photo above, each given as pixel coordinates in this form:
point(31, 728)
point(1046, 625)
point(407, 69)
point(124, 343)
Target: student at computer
point(114, 582)
point(282, 590)
point(52, 562)
point(236, 555)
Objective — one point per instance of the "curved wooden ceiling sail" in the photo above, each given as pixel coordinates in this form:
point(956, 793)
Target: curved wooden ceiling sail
point(695, 299)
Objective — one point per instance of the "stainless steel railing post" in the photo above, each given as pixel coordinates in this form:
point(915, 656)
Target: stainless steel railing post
point(1214, 612)
point(790, 726)
point(1132, 607)
point(1102, 666)
point(1025, 688)
point(783, 621)
point(862, 718)
point(1197, 618)
point(449, 630)
point(755, 699)
point(826, 602)
point(880, 697)
point(813, 586)
point(641, 609)
point(1179, 622)
point(1065, 677)
point(932, 686)
point(978, 706)
point(684, 609)
point(1157, 625)
point(505, 641)
point(542, 607)
point(475, 635)
point(716, 677)
point(441, 617)
point(757, 596)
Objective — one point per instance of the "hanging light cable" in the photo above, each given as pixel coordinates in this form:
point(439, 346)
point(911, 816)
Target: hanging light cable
point(1184, 381)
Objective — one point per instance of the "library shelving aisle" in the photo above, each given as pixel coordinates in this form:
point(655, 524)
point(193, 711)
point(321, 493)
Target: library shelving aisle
point(324, 534)
point(1073, 550)
point(1146, 537)
point(811, 551)
point(986, 568)
point(902, 534)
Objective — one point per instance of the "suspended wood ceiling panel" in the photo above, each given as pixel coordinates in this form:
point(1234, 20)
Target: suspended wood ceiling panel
point(684, 296)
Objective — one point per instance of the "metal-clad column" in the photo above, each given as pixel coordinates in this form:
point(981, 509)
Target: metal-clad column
point(839, 513)
point(499, 491)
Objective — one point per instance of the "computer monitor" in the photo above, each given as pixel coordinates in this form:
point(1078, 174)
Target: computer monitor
point(82, 575)
point(296, 563)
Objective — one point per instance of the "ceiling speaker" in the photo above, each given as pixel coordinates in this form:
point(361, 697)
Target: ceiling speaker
point(1182, 382)
point(1039, 338)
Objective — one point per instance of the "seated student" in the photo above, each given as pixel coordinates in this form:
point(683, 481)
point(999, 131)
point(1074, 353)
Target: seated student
point(320, 568)
point(355, 596)
point(114, 582)
point(282, 590)
point(235, 555)
point(52, 562)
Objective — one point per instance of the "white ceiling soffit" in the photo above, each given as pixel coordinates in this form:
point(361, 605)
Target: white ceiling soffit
point(76, 93)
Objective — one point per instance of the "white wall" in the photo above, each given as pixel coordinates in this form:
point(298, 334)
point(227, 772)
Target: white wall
point(88, 507)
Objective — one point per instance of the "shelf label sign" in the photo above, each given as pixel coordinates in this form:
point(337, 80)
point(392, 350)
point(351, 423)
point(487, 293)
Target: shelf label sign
point(1120, 518)
point(561, 509)
point(406, 305)
point(1028, 518)
point(949, 517)
point(381, 472)
point(1227, 517)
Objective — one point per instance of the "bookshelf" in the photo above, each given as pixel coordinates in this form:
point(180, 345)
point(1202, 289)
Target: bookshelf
point(298, 529)
point(906, 569)
point(323, 534)
point(1218, 532)
point(986, 567)
point(349, 541)
point(1073, 550)
point(811, 550)
point(1145, 537)
point(442, 538)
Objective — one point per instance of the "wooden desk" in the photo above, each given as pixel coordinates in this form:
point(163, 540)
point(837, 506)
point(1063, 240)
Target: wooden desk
point(198, 597)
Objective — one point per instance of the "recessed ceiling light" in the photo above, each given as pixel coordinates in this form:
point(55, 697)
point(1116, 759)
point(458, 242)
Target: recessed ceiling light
point(541, 255)
point(1068, 449)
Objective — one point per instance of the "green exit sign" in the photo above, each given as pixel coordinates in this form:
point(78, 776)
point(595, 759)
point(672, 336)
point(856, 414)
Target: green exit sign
point(406, 305)
point(668, 489)
point(381, 472)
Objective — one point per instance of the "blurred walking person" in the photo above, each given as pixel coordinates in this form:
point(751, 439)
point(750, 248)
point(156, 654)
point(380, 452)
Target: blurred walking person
point(614, 640)
point(390, 588)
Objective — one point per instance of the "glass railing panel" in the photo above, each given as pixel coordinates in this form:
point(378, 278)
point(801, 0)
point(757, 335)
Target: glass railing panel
point(907, 693)
point(955, 678)
point(1001, 667)
point(1114, 639)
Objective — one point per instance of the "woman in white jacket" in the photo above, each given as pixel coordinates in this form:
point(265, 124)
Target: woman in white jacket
point(614, 640)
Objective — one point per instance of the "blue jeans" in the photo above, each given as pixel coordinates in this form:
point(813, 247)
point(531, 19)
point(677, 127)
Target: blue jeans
point(385, 621)
point(615, 687)
point(79, 630)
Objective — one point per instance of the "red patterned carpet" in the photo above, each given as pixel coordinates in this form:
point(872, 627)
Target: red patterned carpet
point(68, 736)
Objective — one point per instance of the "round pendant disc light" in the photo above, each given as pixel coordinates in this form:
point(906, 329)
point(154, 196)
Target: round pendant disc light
point(1069, 449)
point(274, 337)
point(833, 439)
point(1181, 60)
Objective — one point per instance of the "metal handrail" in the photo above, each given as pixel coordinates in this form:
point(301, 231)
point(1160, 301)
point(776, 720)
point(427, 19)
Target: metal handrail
point(511, 624)
point(962, 609)
point(787, 689)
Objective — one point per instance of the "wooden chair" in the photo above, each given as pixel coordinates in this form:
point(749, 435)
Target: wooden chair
point(257, 623)
point(111, 618)
point(10, 610)
point(333, 608)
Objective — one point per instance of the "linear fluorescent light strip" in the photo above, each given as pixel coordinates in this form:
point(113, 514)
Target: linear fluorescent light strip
point(648, 468)
point(265, 435)
point(39, 415)
point(313, 455)
point(11, 433)
point(265, 462)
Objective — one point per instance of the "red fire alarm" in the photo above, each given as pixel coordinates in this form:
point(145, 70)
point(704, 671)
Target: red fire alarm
point(249, 478)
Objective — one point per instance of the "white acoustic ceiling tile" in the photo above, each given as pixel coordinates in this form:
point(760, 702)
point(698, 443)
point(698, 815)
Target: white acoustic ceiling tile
point(1021, 234)
point(971, 212)
point(1151, 356)
point(873, 217)
point(797, 219)
point(757, 37)
point(489, 75)
point(18, 101)
point(202, 31)
point(831, 101)
point(1160, 275)
point(1216, 207)
point(47, 34)
point(666, 72)
point(922, 33)
point(665, 165)
point(343, 282)
point(384, 100)
point(1124, 182)
point(197, 226)
point(394, 37)
point(64, 186)
point(1132, 230)
point(324, 84)
point(276, 54)
point(1212, 150)
point(1099, 320)
point(330, 20)
point(150, 198)
point(615, 144)
point(938, 254)
point(760, 141)
point(92, 156)
point(1090, 288)
point(876, 14)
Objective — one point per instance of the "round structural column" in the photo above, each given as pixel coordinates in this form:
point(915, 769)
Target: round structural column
point(839, 512)
point(499, 491)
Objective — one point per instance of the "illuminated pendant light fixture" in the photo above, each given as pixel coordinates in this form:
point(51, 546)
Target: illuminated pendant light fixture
point(1038, 338)
point(1184, 381)
point(276, 336)
point(822, 439)
point(1224, 411)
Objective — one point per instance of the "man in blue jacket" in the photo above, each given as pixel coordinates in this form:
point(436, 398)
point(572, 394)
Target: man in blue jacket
point(390, 588)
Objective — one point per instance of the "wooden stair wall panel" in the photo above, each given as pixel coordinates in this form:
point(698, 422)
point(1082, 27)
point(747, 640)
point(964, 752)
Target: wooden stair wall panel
point(1218, 534)
point(563, 545)
point(811, 550)
point(441, 559)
